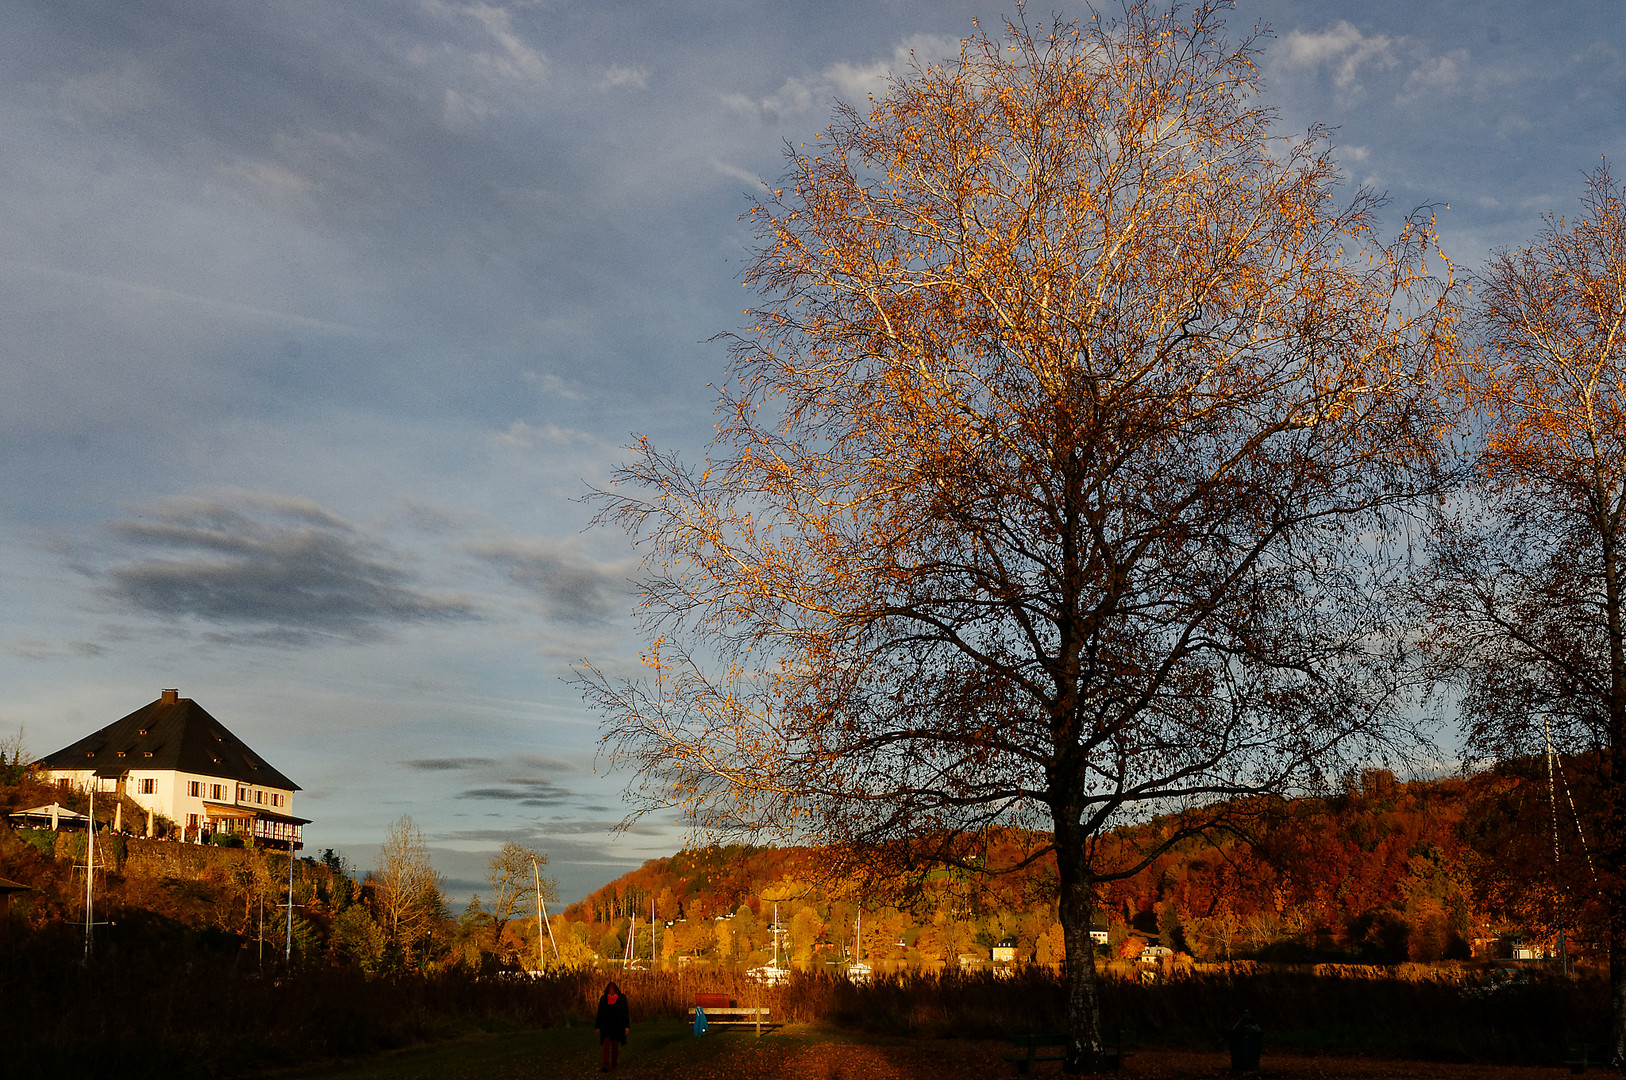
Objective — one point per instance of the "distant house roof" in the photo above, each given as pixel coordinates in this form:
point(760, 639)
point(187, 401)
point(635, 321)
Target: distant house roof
point(170, 733)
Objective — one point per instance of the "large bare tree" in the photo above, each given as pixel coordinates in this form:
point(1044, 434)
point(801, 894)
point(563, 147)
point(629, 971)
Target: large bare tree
point(1528, 590)
point(1051, 477)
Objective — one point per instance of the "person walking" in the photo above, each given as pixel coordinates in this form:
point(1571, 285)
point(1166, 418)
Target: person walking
point(613, 1021)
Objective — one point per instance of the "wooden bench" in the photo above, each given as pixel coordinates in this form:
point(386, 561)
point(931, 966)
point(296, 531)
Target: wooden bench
point(1037, 1047)
point(721, 1010)
point(1052, 1046)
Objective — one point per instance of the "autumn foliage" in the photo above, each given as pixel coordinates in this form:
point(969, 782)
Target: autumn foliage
point(1048, 471)
point(1526, 595)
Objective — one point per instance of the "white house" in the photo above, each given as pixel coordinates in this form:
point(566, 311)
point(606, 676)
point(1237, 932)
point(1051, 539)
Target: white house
point(172, 758)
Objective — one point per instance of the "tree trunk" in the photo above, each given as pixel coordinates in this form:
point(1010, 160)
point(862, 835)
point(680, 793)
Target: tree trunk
point(1614, 765)
point(1614, 873)
point(1085, 1050)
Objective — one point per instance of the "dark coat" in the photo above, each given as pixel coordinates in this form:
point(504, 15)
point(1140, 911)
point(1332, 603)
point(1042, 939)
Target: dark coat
point(613, 1021)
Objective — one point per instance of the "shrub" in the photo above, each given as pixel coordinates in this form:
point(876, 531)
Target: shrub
point(41, 840)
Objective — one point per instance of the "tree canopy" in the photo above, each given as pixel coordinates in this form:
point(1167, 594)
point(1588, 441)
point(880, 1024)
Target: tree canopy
point(1051, 474)
point(1527, 592)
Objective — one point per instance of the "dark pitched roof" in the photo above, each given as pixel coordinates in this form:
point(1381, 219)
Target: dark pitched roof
point(170, 733)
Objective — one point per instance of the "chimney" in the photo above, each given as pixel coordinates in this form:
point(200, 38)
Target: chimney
point(167, 697)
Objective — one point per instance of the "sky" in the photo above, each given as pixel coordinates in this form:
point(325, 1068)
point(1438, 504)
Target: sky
point(319, 319)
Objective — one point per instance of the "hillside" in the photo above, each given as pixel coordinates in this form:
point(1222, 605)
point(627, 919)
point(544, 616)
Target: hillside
point(1381, 872)
point(1384, 871)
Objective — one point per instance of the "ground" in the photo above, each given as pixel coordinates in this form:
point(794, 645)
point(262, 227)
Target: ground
point(666, 1048)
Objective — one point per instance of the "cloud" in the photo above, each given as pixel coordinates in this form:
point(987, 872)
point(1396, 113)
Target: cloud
point(570, 584)
point(450, 764)
point(1351, 56)
point(1342, 48)
point(464, 110)
point(1435, 75)
point(523, 436)
point(521, 791)
point(513, 59)
point(856, 82)
point(620, 75)
point(554, 386)
point(738, 173)
point(112, 93)
point(849, 82)
point(268, 569)
point(34, 649)
point(462, 764)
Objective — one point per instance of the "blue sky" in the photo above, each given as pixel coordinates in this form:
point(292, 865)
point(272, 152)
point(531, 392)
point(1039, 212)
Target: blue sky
point(320, 318)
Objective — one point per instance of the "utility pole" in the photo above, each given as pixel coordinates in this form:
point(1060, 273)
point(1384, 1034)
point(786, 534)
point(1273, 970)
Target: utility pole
point(288, 945)
point(90, 869)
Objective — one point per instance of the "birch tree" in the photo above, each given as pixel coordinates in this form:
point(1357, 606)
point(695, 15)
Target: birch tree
point(1527, 593)
point(1051, 472)
point(406, 888)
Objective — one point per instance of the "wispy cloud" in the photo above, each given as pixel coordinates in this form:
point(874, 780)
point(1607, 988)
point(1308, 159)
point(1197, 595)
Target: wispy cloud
point(618, 76)
point(450, 764)
point(1352, 56)
point(521, 791)
point(277, 568)
point(810, 94)
point(35, 649)
point(570, 584)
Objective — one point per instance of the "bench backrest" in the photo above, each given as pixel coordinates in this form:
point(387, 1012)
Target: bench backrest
point(713, 1001)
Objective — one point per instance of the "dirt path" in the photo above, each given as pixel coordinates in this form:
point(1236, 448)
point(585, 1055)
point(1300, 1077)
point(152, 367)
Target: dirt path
point(970, 1060)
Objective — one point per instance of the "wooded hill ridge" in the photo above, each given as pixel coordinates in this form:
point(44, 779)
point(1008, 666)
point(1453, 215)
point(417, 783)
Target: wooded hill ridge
point(1383, 871)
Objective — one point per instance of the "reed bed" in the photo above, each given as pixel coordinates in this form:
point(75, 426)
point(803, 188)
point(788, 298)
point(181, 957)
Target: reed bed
point(183, 1007)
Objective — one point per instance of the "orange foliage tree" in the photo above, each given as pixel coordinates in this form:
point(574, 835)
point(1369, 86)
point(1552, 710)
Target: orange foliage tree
point(1527, 591)
point(1048, 476)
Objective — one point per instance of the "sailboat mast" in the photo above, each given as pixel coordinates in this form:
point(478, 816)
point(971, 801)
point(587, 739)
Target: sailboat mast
point(541, 961)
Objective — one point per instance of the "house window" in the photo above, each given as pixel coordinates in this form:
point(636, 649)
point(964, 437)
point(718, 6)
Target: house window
point(194, 788)
point(191, 821)
point(219, 791)
point(149, 786)
point(276, 800)
point(259, 796)
point(242, 794)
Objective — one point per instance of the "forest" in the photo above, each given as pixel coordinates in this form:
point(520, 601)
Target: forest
point(1382, 872)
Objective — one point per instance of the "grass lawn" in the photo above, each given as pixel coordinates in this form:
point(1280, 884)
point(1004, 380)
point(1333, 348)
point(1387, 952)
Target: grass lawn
point(665, 1048)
